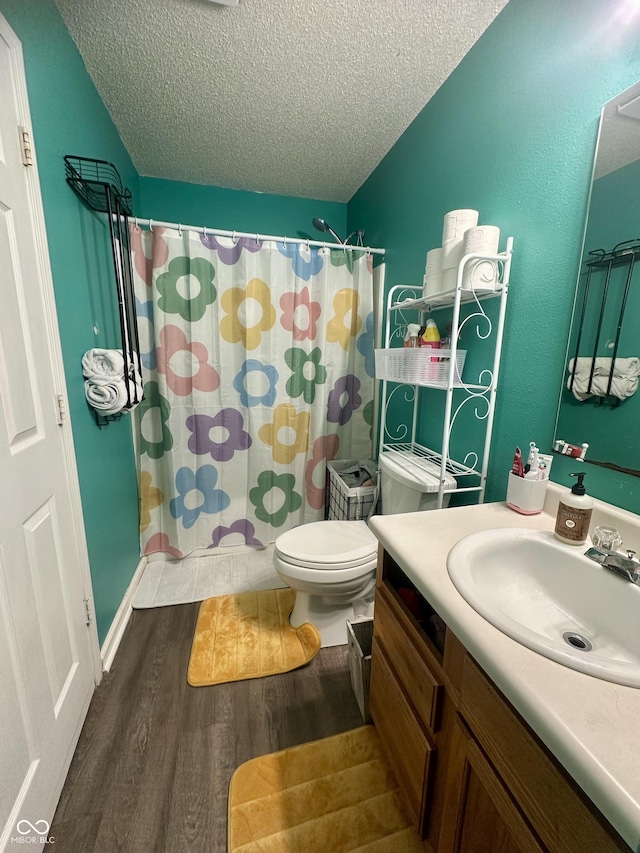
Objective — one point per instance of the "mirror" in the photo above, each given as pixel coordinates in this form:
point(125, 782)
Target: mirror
point(600, 401)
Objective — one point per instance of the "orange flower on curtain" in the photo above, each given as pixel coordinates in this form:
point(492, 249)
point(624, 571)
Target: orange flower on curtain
point(286, 418)
point(346, 323)
point(243, 323)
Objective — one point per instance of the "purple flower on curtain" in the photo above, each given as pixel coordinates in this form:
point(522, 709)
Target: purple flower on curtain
point(189, 506)
point(243, 527)
point(145, 309)
point(340, 410)
point(365, 347)
point(269, 374)
point(229, 420)
point(305, 262)
point(229, 254)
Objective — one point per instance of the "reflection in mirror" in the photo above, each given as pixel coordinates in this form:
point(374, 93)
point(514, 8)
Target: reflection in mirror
point(600, 401)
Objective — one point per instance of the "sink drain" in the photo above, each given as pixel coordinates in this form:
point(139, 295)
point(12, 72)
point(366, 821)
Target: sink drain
point(577, 641)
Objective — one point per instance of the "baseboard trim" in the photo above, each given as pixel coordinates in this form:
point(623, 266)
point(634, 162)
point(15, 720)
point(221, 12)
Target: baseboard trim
point(121, 619)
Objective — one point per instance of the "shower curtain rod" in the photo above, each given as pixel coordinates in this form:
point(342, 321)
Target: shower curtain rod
point(219, 232)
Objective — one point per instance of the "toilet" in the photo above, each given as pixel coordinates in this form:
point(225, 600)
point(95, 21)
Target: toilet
point(332, 564)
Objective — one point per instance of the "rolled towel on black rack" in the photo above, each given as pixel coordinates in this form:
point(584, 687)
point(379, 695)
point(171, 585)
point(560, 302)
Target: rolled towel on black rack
point(604, 378)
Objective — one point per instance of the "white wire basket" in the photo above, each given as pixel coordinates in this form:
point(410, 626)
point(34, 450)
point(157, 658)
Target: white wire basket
point(343, 502)
point(416, 366)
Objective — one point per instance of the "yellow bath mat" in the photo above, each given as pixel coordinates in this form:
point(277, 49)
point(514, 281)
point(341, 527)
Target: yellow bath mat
point(336, 794)
point(248, 635)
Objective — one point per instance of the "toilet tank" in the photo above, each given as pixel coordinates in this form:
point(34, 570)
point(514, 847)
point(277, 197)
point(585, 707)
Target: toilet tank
point(409, 483)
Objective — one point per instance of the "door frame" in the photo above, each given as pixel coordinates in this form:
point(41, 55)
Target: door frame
point(34, 200)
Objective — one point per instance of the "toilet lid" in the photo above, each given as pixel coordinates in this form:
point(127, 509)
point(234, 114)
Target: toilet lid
point(328, 542)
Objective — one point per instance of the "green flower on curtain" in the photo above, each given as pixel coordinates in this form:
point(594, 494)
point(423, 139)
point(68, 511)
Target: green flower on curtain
point(307, 372)
point(172, 301)
point(348, 259)
point(153, 414)
point(275, 497)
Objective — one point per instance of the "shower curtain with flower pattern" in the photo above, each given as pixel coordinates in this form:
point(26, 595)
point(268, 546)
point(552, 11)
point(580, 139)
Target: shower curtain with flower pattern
point(257, 361)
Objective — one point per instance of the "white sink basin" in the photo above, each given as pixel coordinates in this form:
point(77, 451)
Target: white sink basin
point(537, 591)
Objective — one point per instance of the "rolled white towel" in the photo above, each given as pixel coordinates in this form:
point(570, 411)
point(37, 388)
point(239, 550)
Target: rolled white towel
point(99, 365)
point(624, 367)
point(109, 398)
point(621, 386)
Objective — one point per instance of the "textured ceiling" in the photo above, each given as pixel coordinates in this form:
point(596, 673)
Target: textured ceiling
point(297, 98)
point(619, 142)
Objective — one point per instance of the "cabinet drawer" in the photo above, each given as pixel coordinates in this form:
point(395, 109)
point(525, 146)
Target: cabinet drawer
point(566, 821)
point(421, 684)
point(405, 743)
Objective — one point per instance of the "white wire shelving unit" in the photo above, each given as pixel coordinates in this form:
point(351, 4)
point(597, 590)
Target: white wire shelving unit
point(406, 372)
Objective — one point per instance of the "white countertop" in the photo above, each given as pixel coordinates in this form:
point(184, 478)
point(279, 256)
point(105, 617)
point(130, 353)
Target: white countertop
point(592, 726)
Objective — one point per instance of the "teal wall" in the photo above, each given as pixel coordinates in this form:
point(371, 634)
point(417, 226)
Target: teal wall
point(69, 118)
point(216, 207)
point(512, 134)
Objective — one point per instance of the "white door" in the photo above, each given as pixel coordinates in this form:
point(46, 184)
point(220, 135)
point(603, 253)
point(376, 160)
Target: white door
point(47, 652)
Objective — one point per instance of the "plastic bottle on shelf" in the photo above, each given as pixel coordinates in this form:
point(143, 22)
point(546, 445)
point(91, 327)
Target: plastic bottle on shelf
point(412, 336)
point(431, 336)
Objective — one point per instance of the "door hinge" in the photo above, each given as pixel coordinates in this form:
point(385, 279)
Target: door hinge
point(87, 612)
point(25, 146)
point(62, 409)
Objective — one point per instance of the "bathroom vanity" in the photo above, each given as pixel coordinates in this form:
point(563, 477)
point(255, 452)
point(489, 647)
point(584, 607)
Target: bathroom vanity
point(497, 748)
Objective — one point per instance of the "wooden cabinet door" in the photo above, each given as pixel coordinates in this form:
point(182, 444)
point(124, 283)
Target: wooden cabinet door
point(479, 814)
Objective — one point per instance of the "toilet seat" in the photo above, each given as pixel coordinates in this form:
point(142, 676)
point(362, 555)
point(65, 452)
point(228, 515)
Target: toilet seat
point(328, 545)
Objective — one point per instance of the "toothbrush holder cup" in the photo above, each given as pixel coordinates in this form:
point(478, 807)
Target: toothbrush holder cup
point(526, 496)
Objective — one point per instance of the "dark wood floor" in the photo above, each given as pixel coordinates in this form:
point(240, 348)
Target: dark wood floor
point(152, 768)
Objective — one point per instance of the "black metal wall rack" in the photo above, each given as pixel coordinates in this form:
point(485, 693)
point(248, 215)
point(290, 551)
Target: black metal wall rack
point(99, 185)
point(598, 261)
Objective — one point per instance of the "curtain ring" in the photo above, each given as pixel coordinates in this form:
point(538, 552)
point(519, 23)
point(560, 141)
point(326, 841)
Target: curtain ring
point(257, 237)
point(234, 238)
point(204, 231)
point(151, 225)
point(308, 246)
point(135, 224)
point(284, 242)
point(179, 229)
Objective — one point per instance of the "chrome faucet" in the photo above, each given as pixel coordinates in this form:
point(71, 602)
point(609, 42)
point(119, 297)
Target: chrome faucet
point(627, 566)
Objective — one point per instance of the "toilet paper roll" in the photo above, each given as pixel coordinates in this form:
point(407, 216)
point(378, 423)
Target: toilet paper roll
point(433, 284)
point(480, 275)
point(449, 279)
point(482, 240)
point(434, 262)
point(452, 252)
point(456, 222)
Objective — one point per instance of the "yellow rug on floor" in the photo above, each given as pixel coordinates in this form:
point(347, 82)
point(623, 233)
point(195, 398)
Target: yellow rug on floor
point(248, 635)
point(329, 796)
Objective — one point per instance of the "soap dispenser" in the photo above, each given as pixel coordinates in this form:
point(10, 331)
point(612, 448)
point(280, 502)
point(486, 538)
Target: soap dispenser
point(574, 514)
